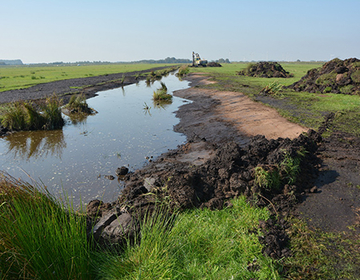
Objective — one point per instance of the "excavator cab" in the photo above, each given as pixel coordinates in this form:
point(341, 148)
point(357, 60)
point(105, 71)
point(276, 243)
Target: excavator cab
point(197, 61)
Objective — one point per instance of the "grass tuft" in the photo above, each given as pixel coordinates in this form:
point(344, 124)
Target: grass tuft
point(39, 239)
point(183, 71)
point(78, 105)
point(14, 118)
point(273, 88)
point(51, 111)
point(197, 244)
point(24, 115)
point(274, 176)
point(161, 94)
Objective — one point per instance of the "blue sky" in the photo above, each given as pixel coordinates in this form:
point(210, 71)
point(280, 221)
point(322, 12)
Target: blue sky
point(108, 30)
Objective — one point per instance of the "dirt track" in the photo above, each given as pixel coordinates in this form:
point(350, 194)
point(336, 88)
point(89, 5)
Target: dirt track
point(239, 111)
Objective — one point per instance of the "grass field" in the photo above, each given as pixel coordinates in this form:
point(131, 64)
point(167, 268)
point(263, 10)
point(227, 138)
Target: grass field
point(228, 72)
point(16, 77)
point(201, 244)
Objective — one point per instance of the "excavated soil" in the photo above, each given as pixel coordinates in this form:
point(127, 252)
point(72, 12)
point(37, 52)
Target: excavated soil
point(265, 69)
point(335, 76)
point(214, 64)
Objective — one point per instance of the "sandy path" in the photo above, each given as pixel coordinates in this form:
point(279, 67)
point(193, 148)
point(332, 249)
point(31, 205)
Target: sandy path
point(247, 116)
point(255, 118)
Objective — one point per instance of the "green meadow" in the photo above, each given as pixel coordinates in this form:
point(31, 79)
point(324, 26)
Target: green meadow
point(16, 77)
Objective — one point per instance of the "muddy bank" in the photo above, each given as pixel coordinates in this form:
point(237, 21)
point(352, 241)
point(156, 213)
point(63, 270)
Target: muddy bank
point(335, 207)
point(65, 88)
point(219, 162)
point(216, 164)
point(202, 174)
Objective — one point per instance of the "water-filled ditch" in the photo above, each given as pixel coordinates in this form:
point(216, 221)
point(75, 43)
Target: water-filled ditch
point(77, 160)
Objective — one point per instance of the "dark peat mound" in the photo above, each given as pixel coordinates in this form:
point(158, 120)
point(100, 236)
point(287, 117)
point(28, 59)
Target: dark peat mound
point(335, 76)
point(265, 69)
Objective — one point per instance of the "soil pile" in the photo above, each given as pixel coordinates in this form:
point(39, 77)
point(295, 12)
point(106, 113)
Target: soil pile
point(213, 64)
point(265, 70)
point(335, 76)
point(229, 173)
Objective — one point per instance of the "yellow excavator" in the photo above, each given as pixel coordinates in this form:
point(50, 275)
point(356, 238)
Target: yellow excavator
point(197, 61)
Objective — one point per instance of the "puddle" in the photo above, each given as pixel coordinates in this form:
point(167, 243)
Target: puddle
point(76, 159)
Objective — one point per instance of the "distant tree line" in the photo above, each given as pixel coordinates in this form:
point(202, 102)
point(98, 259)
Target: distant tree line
point(221, 60)
point(166, 60)
point(11, 62)
point(150, 61)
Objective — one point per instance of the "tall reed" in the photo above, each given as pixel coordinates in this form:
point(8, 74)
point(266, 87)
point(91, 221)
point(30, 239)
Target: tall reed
point(51, 111)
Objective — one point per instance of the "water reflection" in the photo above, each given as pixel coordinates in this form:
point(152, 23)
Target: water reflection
point(36, 144)
point(162, 104)
point(77, 119)
point(146, 109)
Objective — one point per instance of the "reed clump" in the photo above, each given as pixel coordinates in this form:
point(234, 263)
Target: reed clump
point(24, 115)
point(161, 94)
point(183, 70)
point(78, 105)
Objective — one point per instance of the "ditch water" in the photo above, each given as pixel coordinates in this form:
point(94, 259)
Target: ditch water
point(75, 161)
